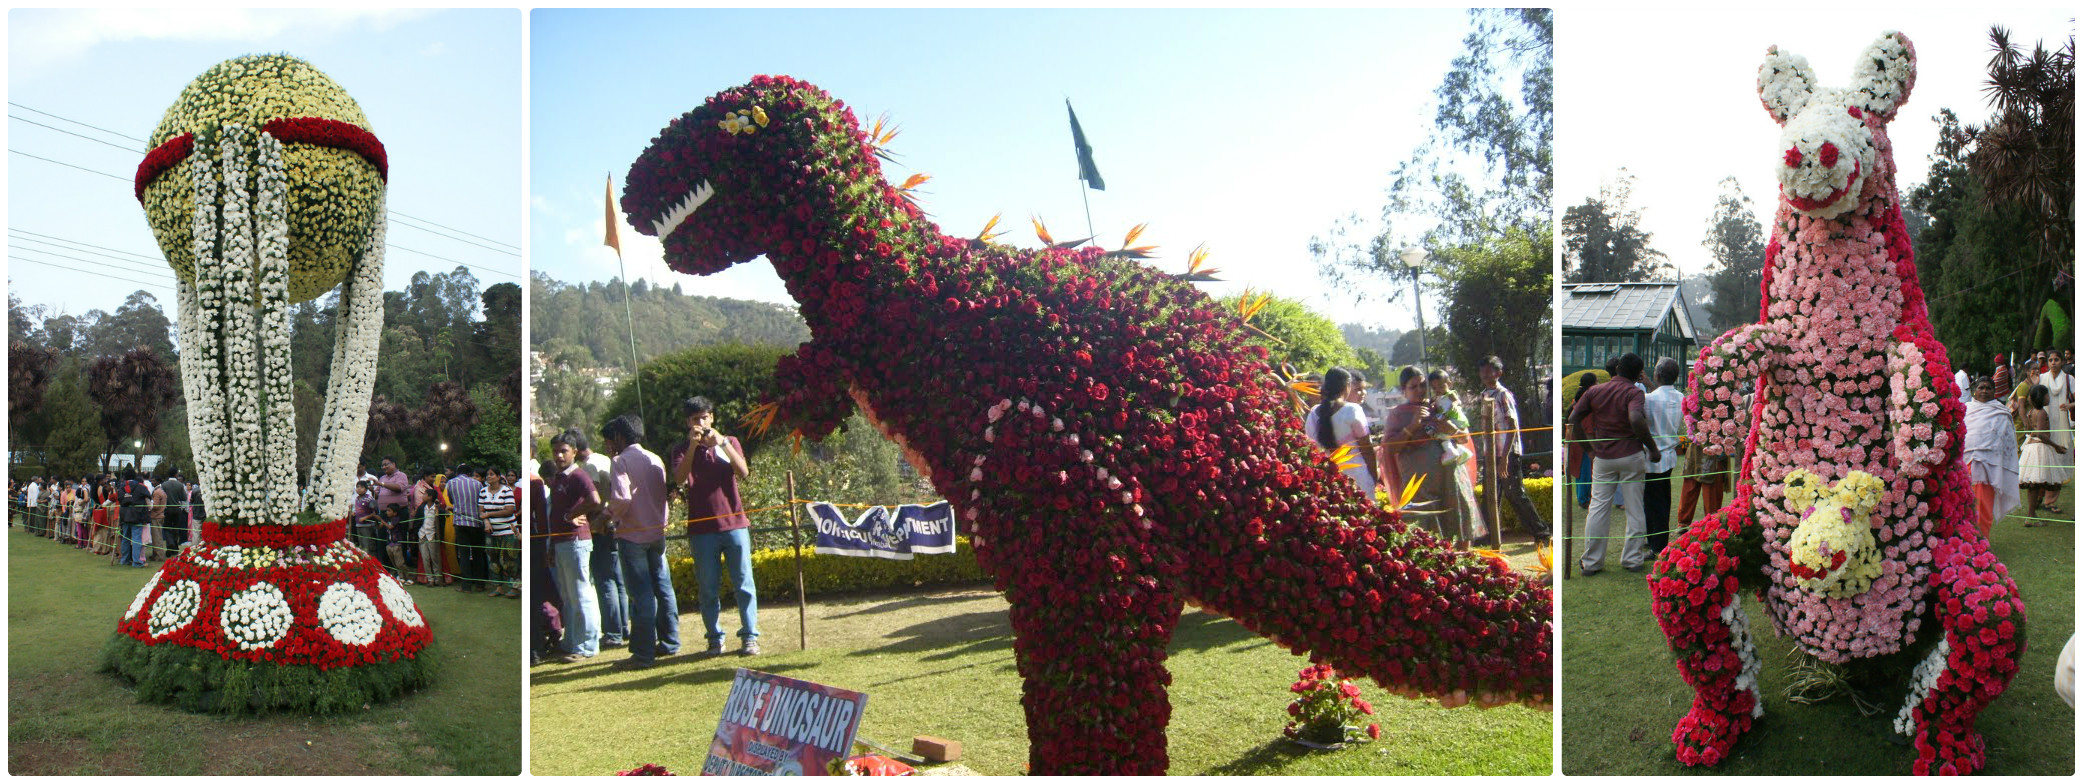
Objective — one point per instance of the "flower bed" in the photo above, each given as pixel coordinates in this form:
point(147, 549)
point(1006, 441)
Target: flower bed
point(774, 572)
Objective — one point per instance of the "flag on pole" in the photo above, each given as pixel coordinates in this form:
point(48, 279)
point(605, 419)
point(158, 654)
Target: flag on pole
point(1087, 170)
point(612, 240)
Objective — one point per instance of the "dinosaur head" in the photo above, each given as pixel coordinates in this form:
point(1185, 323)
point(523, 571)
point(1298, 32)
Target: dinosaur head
point(334, 165)
point(735, 177)
point(1831, 138)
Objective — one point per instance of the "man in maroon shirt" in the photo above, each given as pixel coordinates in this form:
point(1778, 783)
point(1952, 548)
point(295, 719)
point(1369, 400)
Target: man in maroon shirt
point(1608, 421)
point(572, 499)
point(706, 466)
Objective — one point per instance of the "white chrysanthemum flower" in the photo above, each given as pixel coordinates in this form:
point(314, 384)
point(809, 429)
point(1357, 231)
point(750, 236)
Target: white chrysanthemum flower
point(175, 608)
point(398, 601)
point(139, 602)
point(257, 617)
point(348, 615)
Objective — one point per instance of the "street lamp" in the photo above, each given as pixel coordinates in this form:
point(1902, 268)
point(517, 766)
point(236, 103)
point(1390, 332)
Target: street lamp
point(1413, 259)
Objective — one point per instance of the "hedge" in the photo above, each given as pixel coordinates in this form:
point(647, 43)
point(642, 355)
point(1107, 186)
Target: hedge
point(201, 681)
point(774, 571)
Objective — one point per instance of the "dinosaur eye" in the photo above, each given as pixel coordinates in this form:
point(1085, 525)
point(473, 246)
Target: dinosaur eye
point(317, 131)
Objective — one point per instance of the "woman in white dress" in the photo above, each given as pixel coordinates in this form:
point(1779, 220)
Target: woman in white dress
point(2043, 464)
point(1337, 420)
point(2061, 403)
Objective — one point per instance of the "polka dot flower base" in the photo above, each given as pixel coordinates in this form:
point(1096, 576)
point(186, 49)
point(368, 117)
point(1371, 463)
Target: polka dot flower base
point(301, 600)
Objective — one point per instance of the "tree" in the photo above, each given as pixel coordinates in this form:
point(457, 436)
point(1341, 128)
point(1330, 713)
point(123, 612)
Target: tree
point(733, 377)
point(132, 390)
point(139, 322)
point(386, 420)
point(1406, 353)
point(1737, 242)
point(496, 439)
point(1498, 298)
point(2025, 158)
point(29, 373)
point(445, 413)
point(1487, 167)
point(1603, 240)
point(175, 450)
point(1296, 336)
point(74, 444)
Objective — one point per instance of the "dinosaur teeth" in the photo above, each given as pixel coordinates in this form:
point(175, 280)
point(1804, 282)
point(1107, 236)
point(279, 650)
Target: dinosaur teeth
point(679, 213)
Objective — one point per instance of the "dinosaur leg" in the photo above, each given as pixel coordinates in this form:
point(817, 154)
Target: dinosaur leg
point(1984, 623)
point(1696, 600)
point(1091, 652)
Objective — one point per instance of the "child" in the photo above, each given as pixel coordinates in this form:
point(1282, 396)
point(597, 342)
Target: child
point(430, 544)
point(396, 531)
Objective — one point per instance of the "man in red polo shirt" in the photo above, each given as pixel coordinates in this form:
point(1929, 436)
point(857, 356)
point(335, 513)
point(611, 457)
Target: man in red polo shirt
point(707, 466)
point(572, 499)
point(1609, 422)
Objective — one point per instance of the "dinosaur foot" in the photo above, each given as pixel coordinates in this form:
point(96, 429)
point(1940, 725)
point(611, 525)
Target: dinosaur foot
point(1953, 752)
point(1705, 736)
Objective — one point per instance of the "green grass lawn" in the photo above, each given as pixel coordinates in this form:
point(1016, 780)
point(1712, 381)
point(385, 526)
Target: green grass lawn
point(65, 717)
point(941, 663)
point(1622, 696)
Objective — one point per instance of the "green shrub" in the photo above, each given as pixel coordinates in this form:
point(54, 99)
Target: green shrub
point(1540, 491)
point(197, 680)
point(774, 572)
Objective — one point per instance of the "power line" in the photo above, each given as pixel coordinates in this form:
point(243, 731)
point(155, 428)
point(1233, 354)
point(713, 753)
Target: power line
point(76, 122)
point(92, 261)
point(77, 242)
point(69, 166)
point(159, 286)
point(70, 133)
point(451, 228)
point(395, 246)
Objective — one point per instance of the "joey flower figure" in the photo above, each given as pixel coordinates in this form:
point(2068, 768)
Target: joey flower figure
point(1853, 518)
point(265, 187)
point(1106, 433)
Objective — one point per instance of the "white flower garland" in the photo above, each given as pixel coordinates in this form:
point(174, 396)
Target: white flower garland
point(1921, 682)
point(348, 615)
point(139, 602)
point(398, 601)
point(257, 617)
point(175, 608)
point(1747, 650)
point(271, 228)
point(241, 366)
point(330, 489)
point(203, 309)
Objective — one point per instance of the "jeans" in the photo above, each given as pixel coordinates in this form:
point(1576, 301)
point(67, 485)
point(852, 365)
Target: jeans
point(735, 550)
point(1607, 476)
point(133, 544)
point(614, 598)
point(654, 613)
point(581, 609)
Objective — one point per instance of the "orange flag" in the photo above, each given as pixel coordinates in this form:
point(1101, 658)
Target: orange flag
point(613, 241)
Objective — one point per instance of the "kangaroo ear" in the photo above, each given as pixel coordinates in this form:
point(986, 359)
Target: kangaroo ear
point(1885, 73)
point(1784, 83)
point(1803, 488)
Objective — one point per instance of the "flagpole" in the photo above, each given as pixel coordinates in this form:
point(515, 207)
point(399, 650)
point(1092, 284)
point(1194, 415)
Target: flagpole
point(1085, 196)
point(636, 375)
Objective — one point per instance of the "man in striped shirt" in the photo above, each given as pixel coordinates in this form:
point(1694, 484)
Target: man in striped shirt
point(463, 491)
point(503, 544)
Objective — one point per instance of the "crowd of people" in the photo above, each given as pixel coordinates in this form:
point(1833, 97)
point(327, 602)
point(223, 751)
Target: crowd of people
point(129, 517)
point(442, 529)
point(598, 541)
point(1432, 437)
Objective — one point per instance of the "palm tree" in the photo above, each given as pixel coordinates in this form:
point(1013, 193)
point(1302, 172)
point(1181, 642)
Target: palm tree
point(132, 390)
point(2025, 157)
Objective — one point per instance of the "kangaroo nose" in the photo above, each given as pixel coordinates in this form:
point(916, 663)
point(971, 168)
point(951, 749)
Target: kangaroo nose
point(1828, 155)
point(1793, 157)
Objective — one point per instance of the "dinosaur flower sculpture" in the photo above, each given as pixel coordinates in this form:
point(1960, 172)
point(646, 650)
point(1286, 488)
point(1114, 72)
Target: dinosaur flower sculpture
point(1840, 381)
point(1113, 444)
point(265, 187)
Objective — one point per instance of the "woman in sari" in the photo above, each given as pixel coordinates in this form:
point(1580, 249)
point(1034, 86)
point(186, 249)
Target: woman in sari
point(1410, 448)
point(105, 519)
point(1465, 477)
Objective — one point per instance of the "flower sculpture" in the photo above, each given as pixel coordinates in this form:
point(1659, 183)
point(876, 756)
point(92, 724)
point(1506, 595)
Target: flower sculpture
point(1112, 444)
point(1842, 382)
point(264, 187)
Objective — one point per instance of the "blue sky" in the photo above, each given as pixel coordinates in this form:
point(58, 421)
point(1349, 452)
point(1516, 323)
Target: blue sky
point(1250, 131)
point(442, 89)
point(1672, 96)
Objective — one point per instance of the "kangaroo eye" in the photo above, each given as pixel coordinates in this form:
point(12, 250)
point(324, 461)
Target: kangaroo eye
point(317, 131)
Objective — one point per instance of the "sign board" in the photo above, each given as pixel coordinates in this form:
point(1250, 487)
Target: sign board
point(881, 532)
point(776, 726)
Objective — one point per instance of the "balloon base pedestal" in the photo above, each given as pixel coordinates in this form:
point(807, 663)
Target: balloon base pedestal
point(258, 618)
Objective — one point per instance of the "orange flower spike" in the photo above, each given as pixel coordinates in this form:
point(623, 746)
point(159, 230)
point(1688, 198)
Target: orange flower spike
point(1196, 261)
point(1042, 232)
point(1496, 557)
point(914, 181)
point(1305, 388)
point(1346, 457)
point(986, 235)
point(1546, 556)
point(1250, 303)
point(1410, 491)
point(1133, 234)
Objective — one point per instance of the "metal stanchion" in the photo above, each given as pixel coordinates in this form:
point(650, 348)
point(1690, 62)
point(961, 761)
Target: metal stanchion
point(795, 531)
point(1569, 509)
